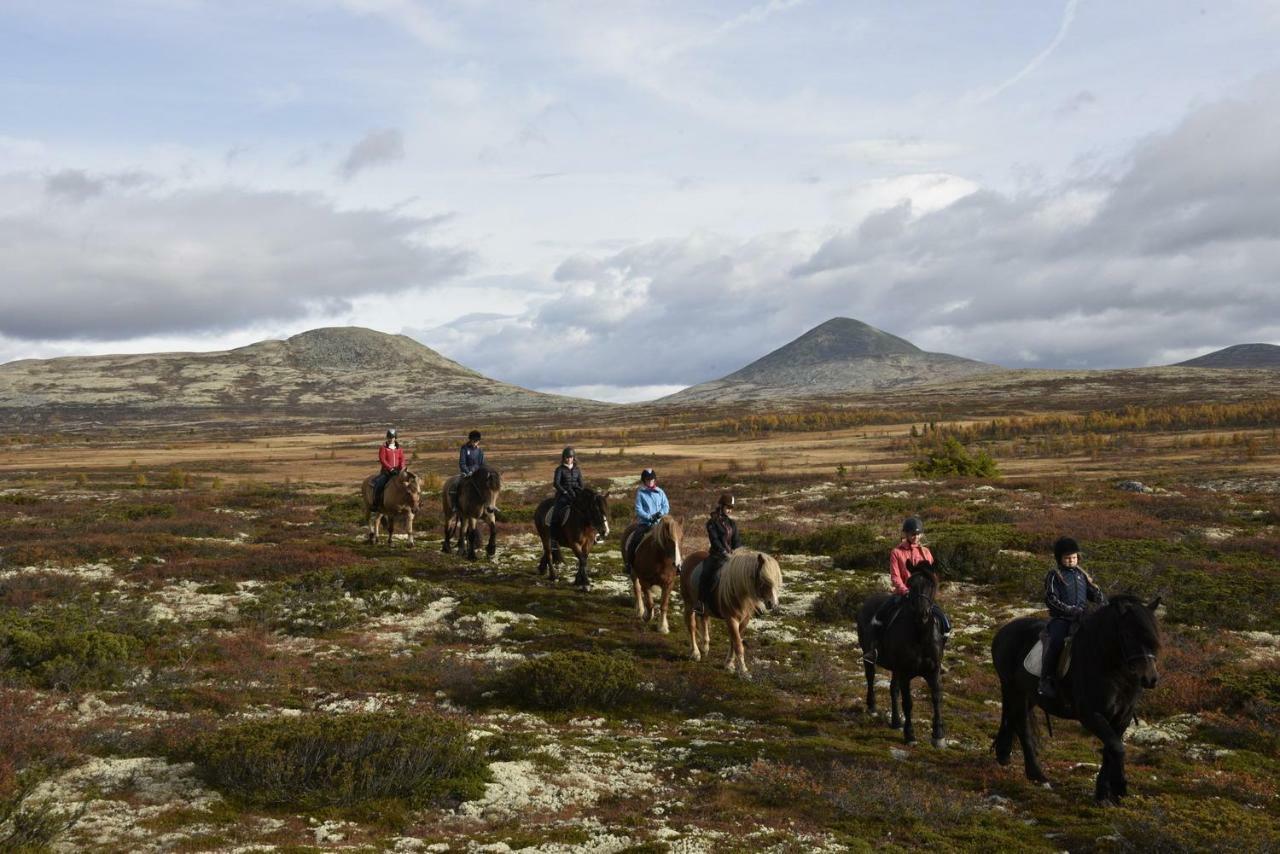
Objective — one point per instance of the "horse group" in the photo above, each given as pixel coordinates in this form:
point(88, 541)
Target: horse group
point(1113, 656)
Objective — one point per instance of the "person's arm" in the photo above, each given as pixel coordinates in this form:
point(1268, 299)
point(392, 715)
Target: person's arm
point(1093, 592)
point(641, 510)
point(462, 461)
point(715, 536)
point(1053, 597)
point(735, 540)
point(664, 504)
point(558, 481)
point(897, 572)
point(479, 458)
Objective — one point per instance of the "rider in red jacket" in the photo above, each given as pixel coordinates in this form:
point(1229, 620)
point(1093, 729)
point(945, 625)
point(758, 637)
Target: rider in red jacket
point(391, 458)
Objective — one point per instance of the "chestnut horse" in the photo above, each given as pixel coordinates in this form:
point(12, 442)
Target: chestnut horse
point(401, 497)
point(749, 582)
point(656, 564)
point(588, 515)
point(477, 502)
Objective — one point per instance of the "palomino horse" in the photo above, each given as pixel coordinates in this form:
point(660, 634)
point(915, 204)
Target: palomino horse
point(588, 515)
point(477, 502)
point(401, 497)
point(1113, 658)
point(749, 582)
point(911, 645)
point(656, 564)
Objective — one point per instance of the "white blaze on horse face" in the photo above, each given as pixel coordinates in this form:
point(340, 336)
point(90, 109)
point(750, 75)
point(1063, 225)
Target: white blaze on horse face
point(679, 562)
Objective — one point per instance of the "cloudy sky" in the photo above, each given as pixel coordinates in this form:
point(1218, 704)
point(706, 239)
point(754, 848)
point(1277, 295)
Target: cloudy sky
point(619, 199)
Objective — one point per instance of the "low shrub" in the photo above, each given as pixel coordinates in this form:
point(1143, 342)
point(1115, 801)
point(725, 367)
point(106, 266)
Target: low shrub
point(850, 546)
point(322, 602)
point(571, 680)
point(952, 459)
point(71, 647)
point(842, 605)
point(317, 761)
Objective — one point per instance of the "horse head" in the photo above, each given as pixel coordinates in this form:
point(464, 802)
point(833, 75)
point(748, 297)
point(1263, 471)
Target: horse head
point(768, 580)
point(922, 588)
point(492, 480)
point(598, 512)
point(413, 488)
point(1139, 637)
point(668, 534)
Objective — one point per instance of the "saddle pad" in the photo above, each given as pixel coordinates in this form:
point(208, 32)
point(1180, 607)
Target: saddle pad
point(547, 519)
point(696, 579)
point(1034, 662)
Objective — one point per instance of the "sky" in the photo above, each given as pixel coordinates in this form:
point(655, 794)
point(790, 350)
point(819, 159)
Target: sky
point(621, 199)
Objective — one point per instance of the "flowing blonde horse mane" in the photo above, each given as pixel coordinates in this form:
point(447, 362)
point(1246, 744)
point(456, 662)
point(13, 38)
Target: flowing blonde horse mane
point(666, 533)
point(736, 591)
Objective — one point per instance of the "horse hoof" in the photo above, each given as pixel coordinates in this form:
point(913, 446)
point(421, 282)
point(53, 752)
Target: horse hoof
point(666, 630)
point(895, 724)
point(939, 742)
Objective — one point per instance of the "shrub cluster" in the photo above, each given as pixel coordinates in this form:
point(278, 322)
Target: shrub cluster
point(571, 680)
point(317, 761)
point(70, 646)
point(850, 546)
point(951, 459)
point(321, 602)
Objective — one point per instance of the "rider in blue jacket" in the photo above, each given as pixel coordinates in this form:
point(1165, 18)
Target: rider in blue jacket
point(1068, 590)
point(651, 505)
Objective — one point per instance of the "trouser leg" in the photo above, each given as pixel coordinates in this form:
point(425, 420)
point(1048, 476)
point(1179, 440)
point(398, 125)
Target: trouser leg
point(1058, 630)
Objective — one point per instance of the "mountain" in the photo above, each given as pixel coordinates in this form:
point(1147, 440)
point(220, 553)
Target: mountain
point(840, 356)
point(1239, 356)
point(341, 374)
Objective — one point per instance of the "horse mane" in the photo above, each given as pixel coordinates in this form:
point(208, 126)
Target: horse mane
point(737, 585)
point(665, 533)
point(1094, 636)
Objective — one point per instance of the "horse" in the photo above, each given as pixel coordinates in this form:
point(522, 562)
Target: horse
point(749, 582)
point(911, 645)
point(1113, 658)
point(588, 514)
point(656, 564)
point(402, 496)
point(477, 502)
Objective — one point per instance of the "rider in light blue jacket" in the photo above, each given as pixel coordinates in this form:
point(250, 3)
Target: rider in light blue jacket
point(651, 501)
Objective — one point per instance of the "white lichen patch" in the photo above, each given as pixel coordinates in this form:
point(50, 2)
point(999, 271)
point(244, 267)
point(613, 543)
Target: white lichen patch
point(1170, 730)
point(1263, 646)
point(80, 572)
point(489, 625)
point(400, 630)
point(185, 602)
point(117, 795)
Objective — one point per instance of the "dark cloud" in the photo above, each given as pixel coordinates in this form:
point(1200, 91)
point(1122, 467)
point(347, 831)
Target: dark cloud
point(73, 185)
point(377, 147)
point(125, 262)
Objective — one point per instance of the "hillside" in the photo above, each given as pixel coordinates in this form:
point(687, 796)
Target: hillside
point(1239, 356)
point(840, 356)
point(322, 376)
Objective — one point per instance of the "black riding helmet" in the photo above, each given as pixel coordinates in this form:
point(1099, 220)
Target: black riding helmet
point(912, 525)
point(567, 453)
point(473, 436)
point(648, 474)
point(1064, 546)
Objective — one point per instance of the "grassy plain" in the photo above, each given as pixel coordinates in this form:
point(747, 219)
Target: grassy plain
point(199, 652)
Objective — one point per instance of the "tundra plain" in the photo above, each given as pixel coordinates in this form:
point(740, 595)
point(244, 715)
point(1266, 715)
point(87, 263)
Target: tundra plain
point(200, 652)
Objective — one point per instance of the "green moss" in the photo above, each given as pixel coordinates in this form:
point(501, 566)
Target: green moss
point(571, 680)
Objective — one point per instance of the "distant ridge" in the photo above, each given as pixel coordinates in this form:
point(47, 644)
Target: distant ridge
point(1238, 356)
point(839, 356)
point(335, 374)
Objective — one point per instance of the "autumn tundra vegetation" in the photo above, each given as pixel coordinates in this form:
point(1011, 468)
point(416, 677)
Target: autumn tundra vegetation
point(200, 651)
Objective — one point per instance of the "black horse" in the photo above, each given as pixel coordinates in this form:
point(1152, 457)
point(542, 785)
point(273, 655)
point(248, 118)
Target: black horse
point(910, 646)
point(588, 515)
point(1113, 658)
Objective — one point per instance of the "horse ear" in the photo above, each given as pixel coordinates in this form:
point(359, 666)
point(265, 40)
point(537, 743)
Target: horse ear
point(1153, 604)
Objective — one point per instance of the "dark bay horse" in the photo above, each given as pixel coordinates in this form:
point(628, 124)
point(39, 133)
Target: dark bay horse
point(656, 564)
point(912, 645)
point(749, 582)
point(588, 515)
point(1113, 658)
point(477, 502)
point(400, 497)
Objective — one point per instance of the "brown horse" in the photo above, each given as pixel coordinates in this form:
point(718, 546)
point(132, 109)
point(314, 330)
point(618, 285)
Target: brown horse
point(656, 564)
point(749, 582)
point(401, 497)
point(477, 502)
point(588, 515)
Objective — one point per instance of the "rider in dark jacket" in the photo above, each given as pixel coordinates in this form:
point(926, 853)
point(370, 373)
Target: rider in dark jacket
point(470, 457)
point(1068, 590)
point(722, 534)
point(568, 483)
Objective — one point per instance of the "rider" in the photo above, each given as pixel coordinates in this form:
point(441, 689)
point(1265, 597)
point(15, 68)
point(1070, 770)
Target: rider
point(651, 505)
point(907, 552)
point(470, 458)
point(1067, 591)
point(722, 534)
point(391, 458)
point(568, 483)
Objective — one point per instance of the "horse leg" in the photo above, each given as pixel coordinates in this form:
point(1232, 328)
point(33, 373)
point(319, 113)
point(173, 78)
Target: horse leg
point(737, 649)
point(374, 519)
point(1111, 785)
point(581, 579)
point(935, 697)
point(473, 539)
point(706, 634)
point(666, 606)
point(448, 532)
point(1022, 726)
point(895, 691)
point(908, 726)
point(410, 527)
point(1004, 736)
point(647, 595)
point(635, 589)
point(691, 623)
point(730, 661)
point(391, 528)
point(870, 670)
point(492, 548)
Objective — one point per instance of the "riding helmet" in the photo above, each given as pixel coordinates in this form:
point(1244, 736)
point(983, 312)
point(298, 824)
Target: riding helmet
point(726, 500)
point(912, 525)
point(391, 434)
point(567, 453)
point(648, 474)
point(1064, 546)
point(473, 436)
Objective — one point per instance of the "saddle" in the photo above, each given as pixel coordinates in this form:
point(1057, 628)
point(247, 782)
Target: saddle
point(704, 590)
point(1035, 658)
point(548, 520)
